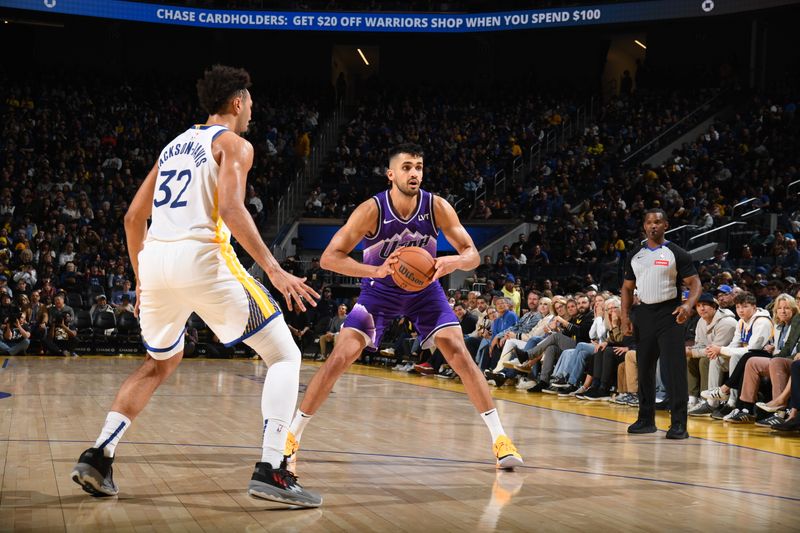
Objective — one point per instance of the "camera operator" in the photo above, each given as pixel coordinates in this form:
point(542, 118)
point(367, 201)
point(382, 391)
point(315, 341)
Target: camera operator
point(61, 339)
point(16, 338)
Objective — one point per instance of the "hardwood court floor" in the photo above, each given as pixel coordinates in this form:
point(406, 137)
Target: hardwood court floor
point(389, 452)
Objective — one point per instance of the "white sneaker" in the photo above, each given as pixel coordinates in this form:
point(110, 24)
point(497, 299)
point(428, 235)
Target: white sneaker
point(388, 352)
point(715, 394)
point(409, 367)
point(526, 384)
point(731, 414)
point(398, 367)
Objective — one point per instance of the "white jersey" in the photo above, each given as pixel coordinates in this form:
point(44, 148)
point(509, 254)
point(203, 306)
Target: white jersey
point(188, 264)
point(185, 203)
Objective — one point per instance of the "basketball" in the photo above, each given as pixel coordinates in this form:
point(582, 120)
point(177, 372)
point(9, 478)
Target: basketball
point(414, 269)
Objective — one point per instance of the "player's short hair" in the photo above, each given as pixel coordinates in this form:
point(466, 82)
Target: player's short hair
point(405, 148)
point(745, 298)
point(219, 84)
point(655, 211)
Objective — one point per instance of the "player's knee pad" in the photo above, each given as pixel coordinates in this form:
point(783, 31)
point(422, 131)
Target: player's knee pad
point(274, 343)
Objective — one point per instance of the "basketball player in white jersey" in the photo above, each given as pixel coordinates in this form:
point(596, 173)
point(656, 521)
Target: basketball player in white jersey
point(185, 263)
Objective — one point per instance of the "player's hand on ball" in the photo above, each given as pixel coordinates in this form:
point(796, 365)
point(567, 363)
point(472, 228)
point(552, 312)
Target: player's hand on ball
point(294, 289)
point(445, 265)
point(387, 268)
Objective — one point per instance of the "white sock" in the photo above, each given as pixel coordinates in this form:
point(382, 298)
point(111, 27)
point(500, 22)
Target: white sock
point(113, 429)
point(274, 442)
point(299, 423)
point(492, 421)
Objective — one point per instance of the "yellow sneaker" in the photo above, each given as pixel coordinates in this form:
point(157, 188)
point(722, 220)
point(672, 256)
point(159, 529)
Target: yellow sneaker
point(290, 450)
point(506, 453)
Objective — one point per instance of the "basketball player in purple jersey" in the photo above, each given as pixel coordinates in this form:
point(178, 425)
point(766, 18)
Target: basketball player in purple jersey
point(405, 215)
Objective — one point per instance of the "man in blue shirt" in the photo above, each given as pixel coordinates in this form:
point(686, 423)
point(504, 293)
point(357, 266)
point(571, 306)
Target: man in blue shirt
point(506, 318)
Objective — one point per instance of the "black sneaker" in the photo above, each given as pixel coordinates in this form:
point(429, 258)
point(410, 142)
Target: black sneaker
point(662, 406)
point(596, 395)
point(567, 392)
point(560, 383)
point(770, 422)
point(280, 485)
point(539, 387)
point(497, 379)
point(552, 389)
point(792, 424)
point(642, 426)
point(94, 473)
point(677, 431)
point(721, 412)
point(447, 373)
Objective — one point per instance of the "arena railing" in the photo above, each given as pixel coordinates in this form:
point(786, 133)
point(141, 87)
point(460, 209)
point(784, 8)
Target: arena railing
point(655, 142)
point(295, 192)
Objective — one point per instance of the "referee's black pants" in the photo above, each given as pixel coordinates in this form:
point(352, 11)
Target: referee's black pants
point(658, 335)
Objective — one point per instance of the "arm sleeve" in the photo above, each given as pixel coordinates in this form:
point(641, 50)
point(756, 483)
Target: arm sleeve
point(683, 263)
point(629, 275)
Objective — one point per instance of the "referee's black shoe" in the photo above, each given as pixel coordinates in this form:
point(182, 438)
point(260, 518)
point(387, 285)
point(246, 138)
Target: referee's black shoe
point(643, 426)
point(677, 431)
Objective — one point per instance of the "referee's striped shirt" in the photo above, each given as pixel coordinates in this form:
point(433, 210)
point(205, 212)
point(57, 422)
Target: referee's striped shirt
point(658, 272)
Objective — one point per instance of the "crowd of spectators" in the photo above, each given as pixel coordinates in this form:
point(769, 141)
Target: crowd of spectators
point(73, 151)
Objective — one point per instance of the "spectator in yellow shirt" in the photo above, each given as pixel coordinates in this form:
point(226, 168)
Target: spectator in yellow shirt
point(511, 292)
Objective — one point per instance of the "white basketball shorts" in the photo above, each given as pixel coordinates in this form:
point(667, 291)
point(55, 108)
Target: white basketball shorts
point(178, 278)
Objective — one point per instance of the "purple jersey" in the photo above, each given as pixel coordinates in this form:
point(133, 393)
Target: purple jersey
point(393, 232)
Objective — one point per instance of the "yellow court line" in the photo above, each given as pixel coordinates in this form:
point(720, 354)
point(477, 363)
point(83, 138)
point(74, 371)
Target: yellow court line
point(745, 435)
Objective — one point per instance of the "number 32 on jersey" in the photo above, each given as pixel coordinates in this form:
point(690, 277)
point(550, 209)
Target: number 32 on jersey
point(183, 177)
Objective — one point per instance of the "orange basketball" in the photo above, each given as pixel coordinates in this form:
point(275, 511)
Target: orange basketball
point(414, 269)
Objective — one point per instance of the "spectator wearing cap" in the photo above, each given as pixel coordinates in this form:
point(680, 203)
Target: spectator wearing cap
point(314, 278)
point(716, 326)
point(100, 305)
point(760, 291)
point(326, 307)
point(725, 295)
point(511, 292)
point(774, 289)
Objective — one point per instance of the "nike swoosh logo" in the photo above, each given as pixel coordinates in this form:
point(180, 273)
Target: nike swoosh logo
point(387, 221)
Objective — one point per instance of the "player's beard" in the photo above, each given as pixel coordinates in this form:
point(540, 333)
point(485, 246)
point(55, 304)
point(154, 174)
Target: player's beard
point(406, 190)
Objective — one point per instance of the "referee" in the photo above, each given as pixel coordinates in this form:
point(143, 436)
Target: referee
point(656, 270)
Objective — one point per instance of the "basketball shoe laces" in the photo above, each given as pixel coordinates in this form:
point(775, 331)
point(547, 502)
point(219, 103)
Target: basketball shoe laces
point(285, 479)
point(504, 447)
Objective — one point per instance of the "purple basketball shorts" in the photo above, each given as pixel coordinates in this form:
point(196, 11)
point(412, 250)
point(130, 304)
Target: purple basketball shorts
point(378, 306)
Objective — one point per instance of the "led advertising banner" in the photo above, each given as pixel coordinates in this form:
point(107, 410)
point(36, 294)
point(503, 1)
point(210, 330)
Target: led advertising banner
point(396, 22)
